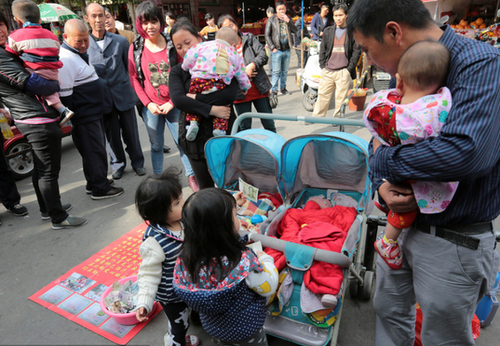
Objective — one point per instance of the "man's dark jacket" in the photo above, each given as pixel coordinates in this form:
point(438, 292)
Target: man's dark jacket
point(273, 33)
point(13, 79)
point(352, 51)
point(111, 65)
point(254, 51)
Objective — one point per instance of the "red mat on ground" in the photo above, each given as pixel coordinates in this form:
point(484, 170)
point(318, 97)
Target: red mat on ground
point(76, 294)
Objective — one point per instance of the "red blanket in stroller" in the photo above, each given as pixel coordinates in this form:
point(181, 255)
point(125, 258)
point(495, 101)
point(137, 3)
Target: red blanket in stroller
point(321, 228)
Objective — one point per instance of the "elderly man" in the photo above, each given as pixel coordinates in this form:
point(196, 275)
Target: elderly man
point(110, 26)
point(108, 54)
point(81, 88)
point(450, 258)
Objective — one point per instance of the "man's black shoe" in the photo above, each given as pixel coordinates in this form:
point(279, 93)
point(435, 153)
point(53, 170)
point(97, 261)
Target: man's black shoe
point(118, 173)
point(19, 210)
point(140, 171)
point(114, 192)
point(88, 189)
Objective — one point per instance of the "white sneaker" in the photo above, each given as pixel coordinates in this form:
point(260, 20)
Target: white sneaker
point(192, 131)
point(218, 133)
point(329, 301)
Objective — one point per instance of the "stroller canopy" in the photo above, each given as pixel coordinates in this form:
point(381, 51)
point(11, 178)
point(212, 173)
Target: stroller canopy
point(332, 160)
point(252, 155)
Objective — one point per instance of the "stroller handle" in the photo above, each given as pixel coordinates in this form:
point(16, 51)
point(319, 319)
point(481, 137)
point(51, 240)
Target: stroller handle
point(319, 255)
point(273, 116)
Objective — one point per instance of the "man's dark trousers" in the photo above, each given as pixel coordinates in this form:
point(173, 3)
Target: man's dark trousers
point(116, 122)
point(89, 140)
point(9, 196)
point(45, 140)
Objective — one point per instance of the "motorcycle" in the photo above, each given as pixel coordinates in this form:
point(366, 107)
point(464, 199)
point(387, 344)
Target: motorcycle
point(309, 79)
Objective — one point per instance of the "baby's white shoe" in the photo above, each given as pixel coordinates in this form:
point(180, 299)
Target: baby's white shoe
point(329, 300)
point(218, 133)
point(192, 131)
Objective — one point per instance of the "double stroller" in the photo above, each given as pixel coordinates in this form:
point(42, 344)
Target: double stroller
point(331, 165)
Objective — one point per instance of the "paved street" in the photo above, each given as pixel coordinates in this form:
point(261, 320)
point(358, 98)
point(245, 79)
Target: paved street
point(32, 254)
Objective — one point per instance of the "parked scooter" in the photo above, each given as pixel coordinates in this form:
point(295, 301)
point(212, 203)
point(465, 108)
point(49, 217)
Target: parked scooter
point(309, 79)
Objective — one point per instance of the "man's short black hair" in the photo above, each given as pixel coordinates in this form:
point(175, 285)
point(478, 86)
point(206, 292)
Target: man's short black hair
point(341, 6)
point(369, 17)
point(280, 2)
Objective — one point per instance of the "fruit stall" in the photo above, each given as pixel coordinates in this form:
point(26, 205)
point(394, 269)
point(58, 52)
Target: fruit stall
point(257, 28)
point(482, 28)
point(488, 34)
point(308, 20)
point(478, 20)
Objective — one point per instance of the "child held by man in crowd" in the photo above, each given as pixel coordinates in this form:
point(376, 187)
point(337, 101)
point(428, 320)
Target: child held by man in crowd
point(212, 65)
point(417, 109)
point(38, 48)
point(159, 202)
point(217, 275)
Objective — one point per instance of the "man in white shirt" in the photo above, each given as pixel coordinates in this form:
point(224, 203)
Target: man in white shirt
point(82, 89)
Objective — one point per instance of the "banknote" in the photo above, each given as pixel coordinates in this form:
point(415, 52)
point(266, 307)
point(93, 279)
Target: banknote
point(249, 191)
point(256, 247)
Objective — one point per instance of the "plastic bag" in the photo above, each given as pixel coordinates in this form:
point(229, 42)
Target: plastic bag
point(476, 327)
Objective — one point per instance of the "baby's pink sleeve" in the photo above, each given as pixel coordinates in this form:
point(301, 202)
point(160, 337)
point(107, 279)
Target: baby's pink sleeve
point(189, 60)
point(241, 74)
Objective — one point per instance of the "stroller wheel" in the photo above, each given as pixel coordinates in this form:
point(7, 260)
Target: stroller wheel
point(368, 285)
point(353, 287)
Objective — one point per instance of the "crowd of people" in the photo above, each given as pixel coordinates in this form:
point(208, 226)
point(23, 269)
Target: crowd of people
point(191, 250)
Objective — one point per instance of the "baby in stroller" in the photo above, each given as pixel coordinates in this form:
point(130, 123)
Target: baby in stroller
point(414, 111)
